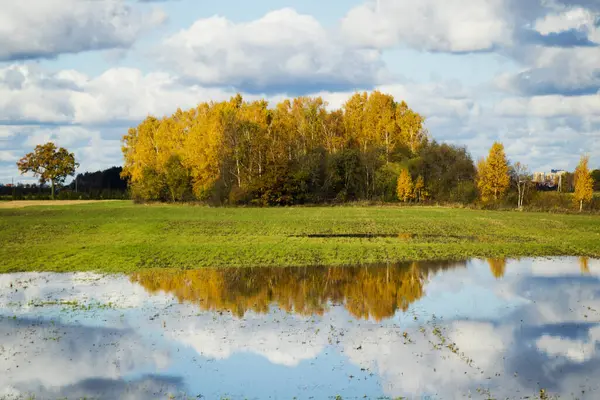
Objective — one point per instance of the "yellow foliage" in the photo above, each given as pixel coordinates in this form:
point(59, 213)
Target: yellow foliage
point(405, 188)
point(234, 143)
point(493, 179)
point(584, 183)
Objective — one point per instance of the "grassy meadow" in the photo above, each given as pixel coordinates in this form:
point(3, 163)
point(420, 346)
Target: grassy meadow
point(119, 236)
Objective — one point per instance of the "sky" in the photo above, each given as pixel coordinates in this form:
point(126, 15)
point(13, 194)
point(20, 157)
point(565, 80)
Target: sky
point(82, 72)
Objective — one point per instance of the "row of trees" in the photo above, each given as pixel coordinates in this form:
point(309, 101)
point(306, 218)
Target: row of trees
point(105, 184)
point(495, 175)
point(296, 152)
point(108, 179)
point(238, 152)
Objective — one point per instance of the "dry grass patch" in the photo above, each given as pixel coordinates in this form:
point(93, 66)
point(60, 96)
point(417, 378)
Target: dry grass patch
point(31, 203)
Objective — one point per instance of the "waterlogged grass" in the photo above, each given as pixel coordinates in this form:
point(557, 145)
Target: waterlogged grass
point(119, 236)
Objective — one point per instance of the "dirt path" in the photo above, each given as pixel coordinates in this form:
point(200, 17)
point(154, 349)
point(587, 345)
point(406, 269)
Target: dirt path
point(28, 203)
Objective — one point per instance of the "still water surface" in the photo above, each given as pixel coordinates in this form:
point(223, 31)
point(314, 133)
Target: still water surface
point(482, 328)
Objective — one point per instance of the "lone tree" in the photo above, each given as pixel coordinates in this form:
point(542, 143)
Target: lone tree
point(493, 179)
point(584, 182)
point(49, 164)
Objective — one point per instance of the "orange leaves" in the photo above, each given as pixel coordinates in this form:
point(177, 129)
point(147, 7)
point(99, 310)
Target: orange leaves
point(236, 143)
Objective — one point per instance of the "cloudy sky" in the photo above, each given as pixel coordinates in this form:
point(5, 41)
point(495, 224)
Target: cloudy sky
point(81, 72)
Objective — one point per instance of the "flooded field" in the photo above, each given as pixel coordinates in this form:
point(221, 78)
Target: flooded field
point(484, 329)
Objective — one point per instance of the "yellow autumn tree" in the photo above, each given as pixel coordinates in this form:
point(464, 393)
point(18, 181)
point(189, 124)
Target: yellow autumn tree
point(405, 187)
point(493, 177)
point(242, 151)
point(584, 183)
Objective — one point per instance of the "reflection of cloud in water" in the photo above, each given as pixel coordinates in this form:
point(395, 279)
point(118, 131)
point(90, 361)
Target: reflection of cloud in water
point(51, 354)
point(419, 367)
point(512, 329)
point(573, 350)
point(501, 346)
point(147, 387)
point(286, 342)
point(28, 288)
point(562, 266)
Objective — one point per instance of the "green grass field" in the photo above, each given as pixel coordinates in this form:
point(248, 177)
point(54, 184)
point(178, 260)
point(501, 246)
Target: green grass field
point(119, 236)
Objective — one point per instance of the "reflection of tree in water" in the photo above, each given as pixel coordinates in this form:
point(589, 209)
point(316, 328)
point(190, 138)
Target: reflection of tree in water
point(497, 266)
point(584, 265)
point(366, 292)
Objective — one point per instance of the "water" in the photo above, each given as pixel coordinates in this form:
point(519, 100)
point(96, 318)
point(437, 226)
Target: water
point(484, 328)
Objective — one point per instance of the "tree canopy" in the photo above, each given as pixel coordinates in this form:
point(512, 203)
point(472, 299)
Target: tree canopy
point(49, 163)
point(294, 152)
point(493, 177)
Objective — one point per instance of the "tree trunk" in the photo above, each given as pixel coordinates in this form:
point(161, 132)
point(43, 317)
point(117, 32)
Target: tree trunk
point(387, 147)
point(580, 205)
point(237, 164)
point(52, 189)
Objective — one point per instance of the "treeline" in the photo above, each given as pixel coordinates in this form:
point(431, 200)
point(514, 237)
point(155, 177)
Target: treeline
point(297, 152)
point(23, 191)
point(99, 185)
point(105, 184)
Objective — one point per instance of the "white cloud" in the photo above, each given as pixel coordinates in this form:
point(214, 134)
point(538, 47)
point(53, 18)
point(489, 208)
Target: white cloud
point(30, 94)
point(578, 19)
point(448, 26)
point(550, 106)
point(283, 51)
point(555, 70)
point(46, 28)
point(93, 151)
point(6, 156)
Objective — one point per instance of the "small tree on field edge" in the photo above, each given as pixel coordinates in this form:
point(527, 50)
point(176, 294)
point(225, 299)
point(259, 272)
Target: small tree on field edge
point(49, 163)
point(584, 183)
point(493, 179)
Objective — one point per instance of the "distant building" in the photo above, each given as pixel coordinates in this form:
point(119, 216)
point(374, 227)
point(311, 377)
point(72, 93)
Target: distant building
point(549, 180)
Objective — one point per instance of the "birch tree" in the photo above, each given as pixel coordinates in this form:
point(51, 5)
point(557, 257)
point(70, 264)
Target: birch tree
point(521, 177)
